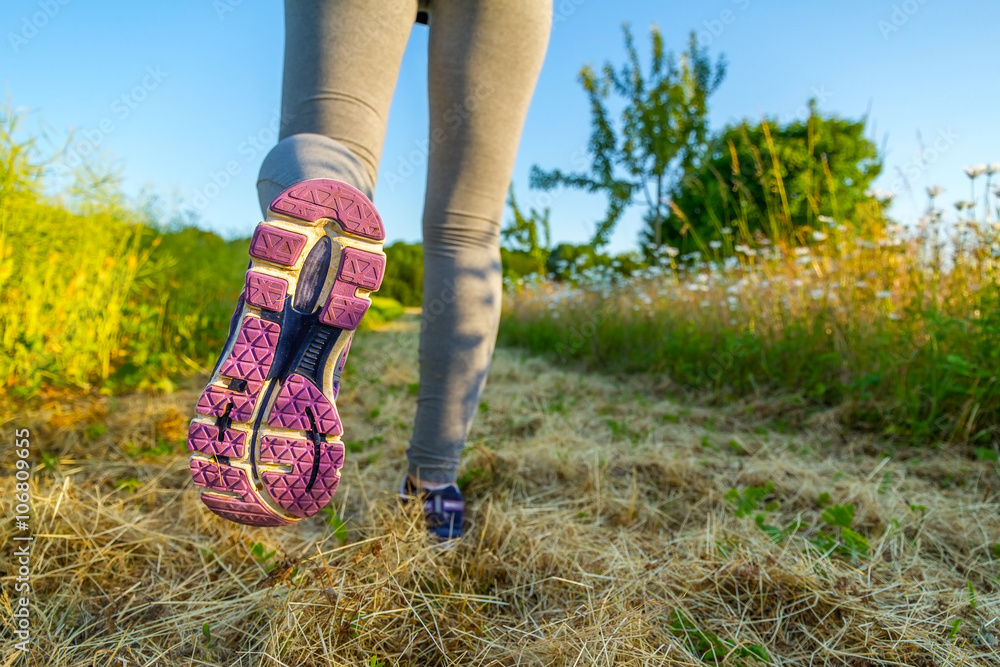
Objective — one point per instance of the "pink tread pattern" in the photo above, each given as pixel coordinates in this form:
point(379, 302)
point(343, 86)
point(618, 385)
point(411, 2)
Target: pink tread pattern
point(298, 394)
point(232, 486)
point(342, 308)
point(265, 291)
point(316, 199)
point(253, 351)
point(289, 489)
point(246, 508)
point(214, 400)
point(361, 268)
point(204, 438)
point(276, 245)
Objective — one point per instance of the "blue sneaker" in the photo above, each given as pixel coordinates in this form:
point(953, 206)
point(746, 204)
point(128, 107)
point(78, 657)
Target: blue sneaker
point(443, 508)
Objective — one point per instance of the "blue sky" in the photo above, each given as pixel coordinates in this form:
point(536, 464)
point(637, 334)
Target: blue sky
point(174, 92)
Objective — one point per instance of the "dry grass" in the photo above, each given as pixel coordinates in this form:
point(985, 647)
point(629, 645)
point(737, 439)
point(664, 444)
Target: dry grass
point(596, 520)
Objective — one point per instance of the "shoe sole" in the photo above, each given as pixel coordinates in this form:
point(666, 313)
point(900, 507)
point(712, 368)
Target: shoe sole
point(266, 444)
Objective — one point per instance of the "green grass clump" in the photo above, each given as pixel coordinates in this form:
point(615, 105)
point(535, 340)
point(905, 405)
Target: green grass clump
point(93, 295)
point(899, 329)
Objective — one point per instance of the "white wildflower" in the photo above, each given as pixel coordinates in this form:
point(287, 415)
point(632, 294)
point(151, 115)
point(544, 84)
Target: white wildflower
point(976, 171)
point(883, 294)
point(880, 194)
point(715, 245)
point(819, 236)
point(726, 230)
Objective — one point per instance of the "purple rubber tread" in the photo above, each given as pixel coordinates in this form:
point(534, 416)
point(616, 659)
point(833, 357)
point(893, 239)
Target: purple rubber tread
point(204, 438)
point(313, 200)
point(289, 490)
point(276, 245)
point(225, 479)
point(215, 400)
point(247, 474)
point(357, 268)
point(253, 352)
point(343, 309)
point(265, 291)
point(298, 395)
point(361, 268)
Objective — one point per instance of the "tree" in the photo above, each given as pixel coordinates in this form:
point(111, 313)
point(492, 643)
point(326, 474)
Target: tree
point(663, 128)
point(522, 233)
point(774, 179)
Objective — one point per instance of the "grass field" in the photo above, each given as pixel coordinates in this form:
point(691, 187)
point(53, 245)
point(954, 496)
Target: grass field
point(898, 329)
point(610, 525)
point(787, 458)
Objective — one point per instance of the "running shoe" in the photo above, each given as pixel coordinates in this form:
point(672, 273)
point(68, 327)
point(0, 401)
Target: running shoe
point(444, 508)
point(266, 441)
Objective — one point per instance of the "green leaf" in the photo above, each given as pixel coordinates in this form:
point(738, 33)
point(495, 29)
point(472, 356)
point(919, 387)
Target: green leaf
point(986, 454)
point(839, 515)
point(757, 652)
point(338, 526)
point(855, 543)
point(745, 503)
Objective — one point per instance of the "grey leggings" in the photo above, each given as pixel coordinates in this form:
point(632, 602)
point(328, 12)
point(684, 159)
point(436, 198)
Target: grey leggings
point(342, 60)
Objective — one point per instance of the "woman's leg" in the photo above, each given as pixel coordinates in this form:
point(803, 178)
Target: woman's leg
point(484, 61)
point(342, 60)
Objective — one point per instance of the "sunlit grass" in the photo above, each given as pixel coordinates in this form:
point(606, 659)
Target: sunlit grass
point(95, 294)
point(899, 329)
point(607, 525)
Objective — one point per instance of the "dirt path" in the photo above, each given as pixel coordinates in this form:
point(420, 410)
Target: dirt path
point(601, 534)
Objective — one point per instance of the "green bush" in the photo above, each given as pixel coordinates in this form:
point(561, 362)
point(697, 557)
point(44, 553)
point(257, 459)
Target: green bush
point(404, 273)
point(382, 310)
